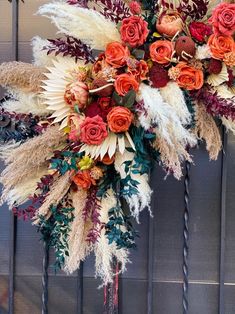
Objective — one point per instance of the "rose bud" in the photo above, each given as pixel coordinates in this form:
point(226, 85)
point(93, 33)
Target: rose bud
point(101, 87)
point(185, 48)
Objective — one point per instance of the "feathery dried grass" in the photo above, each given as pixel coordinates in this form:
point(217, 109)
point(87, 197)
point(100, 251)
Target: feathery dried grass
point(78, 247)
point(23, 76)
point(105, 252)
point(58, 190)
point(29, 158)
point(206, 129)
point(142, 200)
point(174, 97)
point(20, 193)
point(85, 24)
point(27, 103)
point(229, 124)
point(172, 156)
point(40, 56)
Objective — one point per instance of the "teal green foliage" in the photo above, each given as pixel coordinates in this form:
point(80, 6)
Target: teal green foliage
point(114, 228)
point(109, 180)
point(190, 105)
point(55, 232)
point(66, 161)
point(126, 101)
point(142, 140)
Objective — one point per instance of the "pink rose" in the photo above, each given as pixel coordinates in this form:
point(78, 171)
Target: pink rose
point(134, 31)
point(93, 131)
point(76, 94)
point(223, 19)
point(135, 7)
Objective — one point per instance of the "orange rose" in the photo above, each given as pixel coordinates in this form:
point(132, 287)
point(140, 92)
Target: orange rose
point(119, 119)
point(116, 54)
point(139, 69)
point(124, 83)
point(220, 46)
point(83, 179)
point(169, 24)
point(161, 51)
point(189, 77)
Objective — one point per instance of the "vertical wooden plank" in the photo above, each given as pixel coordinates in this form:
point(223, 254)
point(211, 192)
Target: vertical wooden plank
point(13, 221)
point(223, 223)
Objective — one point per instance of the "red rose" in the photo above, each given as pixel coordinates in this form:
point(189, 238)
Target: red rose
point(199, 31)
point(158, 76)
point(98, 108)
point(134, 31)
point(93, 130)
point(223, 19)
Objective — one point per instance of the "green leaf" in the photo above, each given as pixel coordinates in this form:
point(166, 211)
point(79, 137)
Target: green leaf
point(129, 99)
point(117, 98)
point(138, 53)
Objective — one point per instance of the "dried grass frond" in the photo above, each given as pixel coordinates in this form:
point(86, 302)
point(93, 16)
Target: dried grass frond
point(23, 76)
point(85, 24)
point(172, 156)
point(40, 56)
point(206, 129)
point(229, 124)
point(58, 190)
point(20, 193)
point(78, 245)
point(105, 252)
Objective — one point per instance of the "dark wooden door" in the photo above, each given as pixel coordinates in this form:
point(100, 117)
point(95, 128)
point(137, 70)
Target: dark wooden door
point(154, 281)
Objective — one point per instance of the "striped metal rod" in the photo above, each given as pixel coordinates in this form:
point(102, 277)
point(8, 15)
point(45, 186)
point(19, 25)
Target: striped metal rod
point(186, 238)
point(45, 263)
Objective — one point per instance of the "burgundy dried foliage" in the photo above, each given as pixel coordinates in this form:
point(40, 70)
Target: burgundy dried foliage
point(70, 46)
point(114, 10)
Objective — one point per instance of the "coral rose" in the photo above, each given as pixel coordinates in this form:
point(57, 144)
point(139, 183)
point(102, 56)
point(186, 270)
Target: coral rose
point(138, 69)
point(93, 130)
point(116, 54)
point(134, 31)
point(124, 83)
point(223, 19)
point(199, 31)
point(169, 24)
point(189, 77)
point(119, 119)
point(76, 94)
point(161, 51)
point(220, 46)
point(83, 179)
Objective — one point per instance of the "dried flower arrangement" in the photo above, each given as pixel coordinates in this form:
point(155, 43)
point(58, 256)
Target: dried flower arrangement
point(87, 129)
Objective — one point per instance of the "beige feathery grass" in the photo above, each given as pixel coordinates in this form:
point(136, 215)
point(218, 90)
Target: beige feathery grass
point(20, 192)
point(206, 129)
point(172, 156)
point(23, 76)
point(105, 252)
point(78, 247)
point(85, 24)
point(58, 190)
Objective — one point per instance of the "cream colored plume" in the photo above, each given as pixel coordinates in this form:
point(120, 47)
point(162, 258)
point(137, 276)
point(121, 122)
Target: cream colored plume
point(20, 193)
point(58, 190)
point(112, 144)
point(40, 56)
point(78, 246)
point(142, 200)
point(158, 113)
point(105, 252)
point(202, 52)
point(26, 103)
point(174, 97)
point(229, 124)
point(206, 129)
point(59, 76)
point(85, 24)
